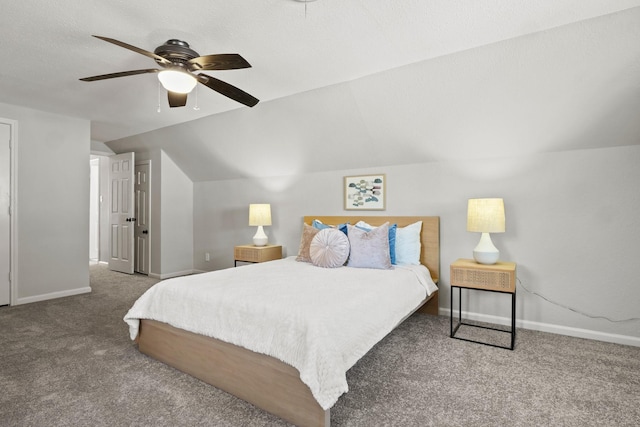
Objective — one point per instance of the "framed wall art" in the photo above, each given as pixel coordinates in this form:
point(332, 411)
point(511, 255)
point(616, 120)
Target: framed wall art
point(365, 192)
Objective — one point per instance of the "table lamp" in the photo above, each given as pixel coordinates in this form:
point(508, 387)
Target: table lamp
point(485, 216)
point(259, 215)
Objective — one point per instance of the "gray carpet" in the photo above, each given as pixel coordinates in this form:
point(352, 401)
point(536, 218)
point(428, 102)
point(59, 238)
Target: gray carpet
point(69, 362)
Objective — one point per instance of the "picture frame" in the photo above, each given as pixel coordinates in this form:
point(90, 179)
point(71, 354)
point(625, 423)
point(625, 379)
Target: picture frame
point(365, 192)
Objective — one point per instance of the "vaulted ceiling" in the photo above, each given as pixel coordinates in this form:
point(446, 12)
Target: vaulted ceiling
point(293, 46)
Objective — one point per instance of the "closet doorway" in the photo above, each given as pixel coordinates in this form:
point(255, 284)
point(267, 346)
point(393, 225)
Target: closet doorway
point(5, 213)
point(8, 208)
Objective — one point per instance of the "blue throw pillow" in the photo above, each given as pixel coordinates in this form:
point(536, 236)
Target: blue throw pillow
point(321, 226)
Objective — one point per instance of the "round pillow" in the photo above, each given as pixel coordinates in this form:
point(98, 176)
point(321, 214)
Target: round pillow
point(329, 248)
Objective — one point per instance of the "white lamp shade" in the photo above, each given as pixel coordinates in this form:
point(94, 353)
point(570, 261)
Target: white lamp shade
point(486, 215)
point(259, 214)
point(177, 81)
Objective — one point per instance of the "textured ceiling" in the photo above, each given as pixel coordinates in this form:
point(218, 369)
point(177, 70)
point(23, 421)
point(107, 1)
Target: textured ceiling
point(293, 47)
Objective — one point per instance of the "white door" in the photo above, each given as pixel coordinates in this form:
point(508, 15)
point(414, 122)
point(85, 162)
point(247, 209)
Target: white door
point(5, 218)
point(142, 188)
point(94, 210)
point(121, 212)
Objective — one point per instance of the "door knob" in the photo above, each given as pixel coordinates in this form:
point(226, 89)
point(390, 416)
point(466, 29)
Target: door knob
point(145, 231)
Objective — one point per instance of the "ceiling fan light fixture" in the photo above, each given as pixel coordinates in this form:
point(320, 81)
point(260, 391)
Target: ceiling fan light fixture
point(177, 81)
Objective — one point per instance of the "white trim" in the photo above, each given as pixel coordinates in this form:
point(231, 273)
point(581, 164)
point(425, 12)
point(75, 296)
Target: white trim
point(150, 196)
point(548, 327)
point(13, 201)
point(580, 333)
point(53, 295)
point(94, 163)
point(171, 275)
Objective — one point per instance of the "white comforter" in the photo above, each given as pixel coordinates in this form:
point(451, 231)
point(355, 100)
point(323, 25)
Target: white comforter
point(319, 320)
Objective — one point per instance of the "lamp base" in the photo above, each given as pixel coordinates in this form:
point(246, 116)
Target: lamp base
point(486, 252)
point(260, 238)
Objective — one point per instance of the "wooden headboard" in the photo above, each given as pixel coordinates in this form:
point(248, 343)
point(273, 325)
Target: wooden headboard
point(430, 235)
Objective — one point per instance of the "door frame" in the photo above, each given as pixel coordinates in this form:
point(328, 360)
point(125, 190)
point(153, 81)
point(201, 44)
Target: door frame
point(13, 213)
point(94, 180)
point(148, 215)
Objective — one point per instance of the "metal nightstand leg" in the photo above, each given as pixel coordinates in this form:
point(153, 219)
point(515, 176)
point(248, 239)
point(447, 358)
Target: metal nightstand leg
point(513, 319)
point(512, 332)
point(454, 330)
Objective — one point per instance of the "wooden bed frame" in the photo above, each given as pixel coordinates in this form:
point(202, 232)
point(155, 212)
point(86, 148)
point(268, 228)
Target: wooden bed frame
point(264, 381)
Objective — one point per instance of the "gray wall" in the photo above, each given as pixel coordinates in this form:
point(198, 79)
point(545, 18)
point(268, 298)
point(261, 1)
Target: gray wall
point(171, 229)
point(177, 220)
point(571, 227)
point(52, 204)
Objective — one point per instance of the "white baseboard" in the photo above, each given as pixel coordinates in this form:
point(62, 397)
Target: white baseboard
point(53, 295)
point(174, 274)
point(548, 327)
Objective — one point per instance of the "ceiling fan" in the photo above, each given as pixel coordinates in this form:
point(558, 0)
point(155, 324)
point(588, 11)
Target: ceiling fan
point(179, 67)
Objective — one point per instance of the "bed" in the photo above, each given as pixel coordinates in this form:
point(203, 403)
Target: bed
point(265, 380)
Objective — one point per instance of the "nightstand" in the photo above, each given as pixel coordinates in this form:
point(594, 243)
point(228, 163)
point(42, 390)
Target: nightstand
point(499, 277)
point(253, 254)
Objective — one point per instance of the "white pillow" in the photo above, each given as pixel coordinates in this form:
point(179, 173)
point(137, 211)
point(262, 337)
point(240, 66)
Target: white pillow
point(408, 244)
point(369, 249)
point(329, 248)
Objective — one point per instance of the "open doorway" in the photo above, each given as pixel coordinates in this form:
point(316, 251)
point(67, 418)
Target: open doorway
point(98, 208)
point(99, 211)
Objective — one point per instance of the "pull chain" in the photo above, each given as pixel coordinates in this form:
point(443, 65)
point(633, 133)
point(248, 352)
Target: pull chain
point(158, 97)
point(196, 106)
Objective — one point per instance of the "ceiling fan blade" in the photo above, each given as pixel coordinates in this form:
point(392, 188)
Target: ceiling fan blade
point(227, 90)
point(223, 61)
point(120, 74)
point(177, 99)
point(151, 55)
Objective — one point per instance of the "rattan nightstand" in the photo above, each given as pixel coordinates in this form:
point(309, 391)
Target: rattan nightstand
point(499, 277)
point(253, 254)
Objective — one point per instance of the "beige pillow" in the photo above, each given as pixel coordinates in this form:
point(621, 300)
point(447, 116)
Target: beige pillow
point(369, 249)
point(329, 248)
point(308, 232)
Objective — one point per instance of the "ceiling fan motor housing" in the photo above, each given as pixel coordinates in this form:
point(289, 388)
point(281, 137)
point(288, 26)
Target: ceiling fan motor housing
point(176, 51)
